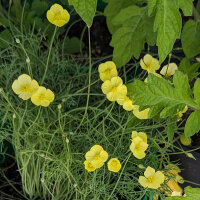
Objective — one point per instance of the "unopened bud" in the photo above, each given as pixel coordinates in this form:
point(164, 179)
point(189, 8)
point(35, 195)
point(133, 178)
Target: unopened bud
point(67, 140)
point(59, 106)
point(17, 40)
point(190, 156)
point(14, 116)
point(28, 60)
point(141, 166)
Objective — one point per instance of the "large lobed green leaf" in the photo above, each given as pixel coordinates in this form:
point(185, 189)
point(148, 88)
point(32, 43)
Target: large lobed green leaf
point(112, 9)
point(168, 23)
point(192, 125)
point(191, 38)
point(86, 9)
point(186, 6)
point(160, 91)
point(190, 194)
point(135, 29)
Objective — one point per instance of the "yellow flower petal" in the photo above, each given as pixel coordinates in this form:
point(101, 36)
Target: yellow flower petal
point(65, 15)
point(112, 96)
point(169, 70)
point(35, 99)
point(116, 81)
point(34, 86)
point(25, 96)
point(159, 176)
point(143, 181)
point(104, 156)
point(56, 8)
point(106, 87)
point(16, 87)
point(149, 172)
point(49, 95)
point(142, 135)
point(89, 167)
point(141, 114)
point(50, 16)
point(24, 79)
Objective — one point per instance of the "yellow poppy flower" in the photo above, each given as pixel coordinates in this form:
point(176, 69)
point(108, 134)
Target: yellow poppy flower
point(57, 15)
point(142, 135)
point(149, 63)
point(138, 147)
point(114, 89)
point(24, 86)
point(114, 165)
point(169, 70)
point(96, 156)
point(107, 70)
point(185, 140)
point(180, 113)
point(126, 103)
point(140, 114)
point(42, 97)
point(151, 179)
point(89, 167)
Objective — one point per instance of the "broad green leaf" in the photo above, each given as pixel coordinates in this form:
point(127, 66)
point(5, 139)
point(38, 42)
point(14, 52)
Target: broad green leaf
point(186, 6)
point(180, 81)
point(196, 91)
point(192, 125)
point(190, 194)
point(135, 29)
point(152, 6)
point(171, 127)
point(86, 9)
point(158, 91)
point(187, 68)
point(191, 38)
point(112, 9)
point(168, 23)
point(5, 39)
point(154, 111)
point(73, 45)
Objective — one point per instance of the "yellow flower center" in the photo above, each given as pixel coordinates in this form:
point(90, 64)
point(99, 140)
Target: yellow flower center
point(58, 16)
point(148, 65)
point(138, 147)
point(114, 163)
point(150, 179)
point(25, 88)
point(107, 71)
point(114, 89)
point(97, 157)
point(42, 97)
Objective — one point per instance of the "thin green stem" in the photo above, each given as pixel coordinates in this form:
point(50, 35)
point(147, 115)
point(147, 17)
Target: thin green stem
point(48, 58)
point(120, 175)
point(89, 82)
point(27, 60)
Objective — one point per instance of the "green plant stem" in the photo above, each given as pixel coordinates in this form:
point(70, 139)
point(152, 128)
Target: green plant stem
point(27, 57)
point(120, 176)
point(48, 58)
point(89, 81)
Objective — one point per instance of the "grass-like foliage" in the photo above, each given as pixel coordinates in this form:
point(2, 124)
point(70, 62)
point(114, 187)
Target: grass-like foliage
point(50, 143)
